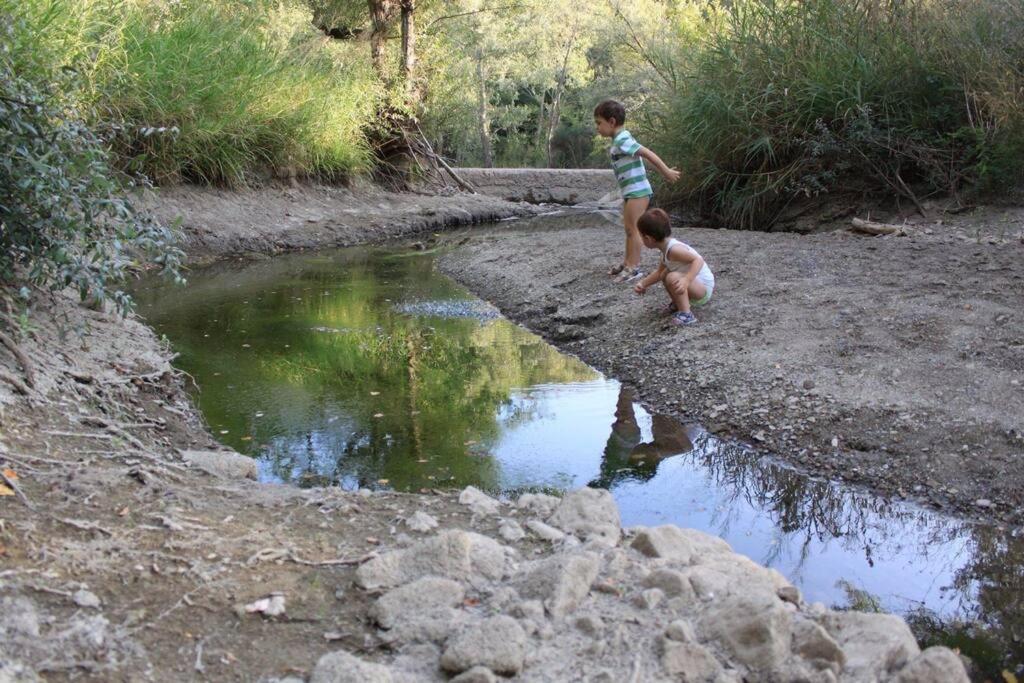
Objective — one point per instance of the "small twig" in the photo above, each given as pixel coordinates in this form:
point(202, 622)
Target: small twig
point(274, 554)
point(80, 435)
point(18, 385)
point(26, 364)
point(17, 489)
point(85, 526)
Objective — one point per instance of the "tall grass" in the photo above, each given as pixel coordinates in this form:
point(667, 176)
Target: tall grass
point(783, 99)
point(214, 91)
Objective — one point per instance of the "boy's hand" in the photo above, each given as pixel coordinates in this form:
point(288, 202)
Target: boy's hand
point(639, 288)
point(672, 175)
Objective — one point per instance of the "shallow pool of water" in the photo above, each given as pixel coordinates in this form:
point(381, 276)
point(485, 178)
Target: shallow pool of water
point(366, 368)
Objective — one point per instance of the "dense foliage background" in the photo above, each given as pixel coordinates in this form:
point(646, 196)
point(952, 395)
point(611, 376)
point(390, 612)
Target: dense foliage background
point(760, 102)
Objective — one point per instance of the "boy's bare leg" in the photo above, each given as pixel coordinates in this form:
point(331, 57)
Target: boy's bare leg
point(632, 209)
point(681, 294)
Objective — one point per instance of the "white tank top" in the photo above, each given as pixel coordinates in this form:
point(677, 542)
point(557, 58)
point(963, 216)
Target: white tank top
point(705, 275)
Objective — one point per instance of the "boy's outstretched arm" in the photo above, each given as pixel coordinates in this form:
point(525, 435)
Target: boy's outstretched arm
point(670, 174)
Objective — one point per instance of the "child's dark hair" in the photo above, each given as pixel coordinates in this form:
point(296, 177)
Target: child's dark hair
point(655, 224)
point(610, 110)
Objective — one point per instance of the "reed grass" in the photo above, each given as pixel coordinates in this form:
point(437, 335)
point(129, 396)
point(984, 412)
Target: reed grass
point(788, 99)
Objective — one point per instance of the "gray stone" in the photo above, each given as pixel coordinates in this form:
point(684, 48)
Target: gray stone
point(497, 643)
point(789, 594)
point(875, 645)
point(84, 598)
point(530, 609)
point(590, 624)
point(431, 627)
point(649, 599)
point(814, 644)
point(478, 674)
point(341, 667)
point(689, 662)
point(511, 531)
point(603, 676)
point(935, 665)
point(681, 631)
point(673, 583)
point(479, 502)
point(413, 600)
point(455, 554)
point(226, 464)
point(12, 671)
point(540, 504)
point(561, 582)
point(546, 532)
point(590, 514)
point(420, 521)
point(686, 546)
point(754, 628)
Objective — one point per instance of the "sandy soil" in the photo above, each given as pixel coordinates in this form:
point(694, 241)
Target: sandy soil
point(895, 362)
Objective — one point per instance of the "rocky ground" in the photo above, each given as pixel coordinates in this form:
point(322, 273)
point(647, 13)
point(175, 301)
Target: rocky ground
point(132, 549)
point(894, 362)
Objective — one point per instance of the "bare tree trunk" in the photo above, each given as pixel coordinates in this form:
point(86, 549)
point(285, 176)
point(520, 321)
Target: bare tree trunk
point(381, 12)
point(556, 104)
point(539, 135)
point(484, 124)
point(412, 89)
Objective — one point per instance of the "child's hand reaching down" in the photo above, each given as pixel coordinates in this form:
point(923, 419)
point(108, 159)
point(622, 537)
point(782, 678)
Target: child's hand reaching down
point(639, 288)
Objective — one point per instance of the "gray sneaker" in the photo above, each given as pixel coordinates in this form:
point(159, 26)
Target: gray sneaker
point(683, 318)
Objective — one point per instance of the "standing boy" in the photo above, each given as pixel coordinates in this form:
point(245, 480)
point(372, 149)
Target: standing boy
point(628, 163)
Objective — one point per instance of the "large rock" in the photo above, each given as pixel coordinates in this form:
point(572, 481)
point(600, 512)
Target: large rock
point(458, 555)
point(876, 645)
point(685, 546)
point(815, 645)
point(590, 514)
point(479, 502)
point(226, 464)
point(422, 522)
point(689, 662)
point(341, 667)
point(754, 628)
point(498, 643)
point(673, 583)
point(414, 600)
point(730, 574)
point(560, 582)
point(935, 665)
point(540, 504)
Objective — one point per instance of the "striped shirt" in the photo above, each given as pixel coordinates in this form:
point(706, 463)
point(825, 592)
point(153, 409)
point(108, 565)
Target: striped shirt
point(629, 168)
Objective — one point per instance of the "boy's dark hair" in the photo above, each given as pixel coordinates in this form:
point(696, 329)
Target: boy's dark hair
point(610, 110)
point(655, 224)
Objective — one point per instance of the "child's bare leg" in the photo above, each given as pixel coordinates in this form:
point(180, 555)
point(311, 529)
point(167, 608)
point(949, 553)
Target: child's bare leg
point(632, 209)
point(681, 294)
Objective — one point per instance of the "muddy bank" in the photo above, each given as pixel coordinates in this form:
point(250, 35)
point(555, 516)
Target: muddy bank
point(893, 362)
point(283, 218)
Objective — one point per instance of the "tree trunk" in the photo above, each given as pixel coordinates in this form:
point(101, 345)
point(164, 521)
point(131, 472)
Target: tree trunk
point(381, 13)
point(412, 89)
point(539, 136)
point(556, 104)
point(484, 124)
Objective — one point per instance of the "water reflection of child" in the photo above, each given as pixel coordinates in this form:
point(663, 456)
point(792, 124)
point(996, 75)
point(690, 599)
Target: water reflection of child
point(625, 457)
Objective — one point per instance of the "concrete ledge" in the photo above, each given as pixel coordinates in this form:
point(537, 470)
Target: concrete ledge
point(541, 185)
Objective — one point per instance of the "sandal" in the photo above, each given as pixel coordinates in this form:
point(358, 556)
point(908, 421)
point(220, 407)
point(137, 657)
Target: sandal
point(629, 274)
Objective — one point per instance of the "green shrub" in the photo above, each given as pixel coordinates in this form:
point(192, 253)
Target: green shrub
point(64, 220)
point(784, 100)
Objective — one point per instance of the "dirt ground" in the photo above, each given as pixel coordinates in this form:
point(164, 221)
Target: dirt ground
point(895, 362)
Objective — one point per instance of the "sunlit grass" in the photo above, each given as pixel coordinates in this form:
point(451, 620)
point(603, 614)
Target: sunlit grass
point(217, 92)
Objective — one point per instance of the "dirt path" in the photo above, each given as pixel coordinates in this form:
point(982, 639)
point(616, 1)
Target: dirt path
point(893, 362)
